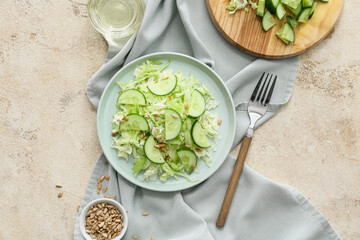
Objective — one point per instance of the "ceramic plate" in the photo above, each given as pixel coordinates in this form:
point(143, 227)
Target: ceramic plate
point(225, 111)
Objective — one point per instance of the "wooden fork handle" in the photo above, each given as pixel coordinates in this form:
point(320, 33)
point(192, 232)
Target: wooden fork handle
point(239, 165)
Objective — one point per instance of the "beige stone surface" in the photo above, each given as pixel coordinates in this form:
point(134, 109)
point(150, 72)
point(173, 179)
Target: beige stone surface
point(48, 51)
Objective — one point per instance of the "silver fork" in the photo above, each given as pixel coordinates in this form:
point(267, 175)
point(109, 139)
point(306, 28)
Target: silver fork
point(257, 108)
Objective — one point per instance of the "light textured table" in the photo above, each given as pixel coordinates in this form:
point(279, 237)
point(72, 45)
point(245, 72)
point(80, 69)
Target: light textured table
point(48, 51)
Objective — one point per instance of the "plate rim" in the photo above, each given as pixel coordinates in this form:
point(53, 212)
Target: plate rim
point(139, 59)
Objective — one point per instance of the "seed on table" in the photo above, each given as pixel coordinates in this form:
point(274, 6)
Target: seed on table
point(104, 189)
point(78, 208)
point(145, 213)
point(60, 194)
point(126, 118)
point(152, 238)
point(114, 197)
point(114, 134)
point(107, 177)
point(99, 186)
point(106, 163)
point(186, 105)
point(187, 146)
point(98, 191)
point(135, 237)
point(102, 178)
point(175, 116)
point(98, 180)
point(58, 186)
point(107, 196)
point(219, 122)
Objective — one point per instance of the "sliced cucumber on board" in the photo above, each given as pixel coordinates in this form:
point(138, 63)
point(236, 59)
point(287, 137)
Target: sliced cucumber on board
point(280, 11)
point(261, 8)
point(291, 21)
point(197, 104)
point(268, 21)
point(307, 3)
point(152, 153)
point(291, 3)
point(286, 33)
point(296, 10)
point(135, 122)
point(188, 158)
point(163, 86)
point(173, 124)
point(132, 96)
point(271, 5)
point(199, 136)
point(312, 9)
point(303, 15)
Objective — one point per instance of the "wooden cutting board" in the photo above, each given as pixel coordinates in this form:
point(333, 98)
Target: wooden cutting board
point(244, 30)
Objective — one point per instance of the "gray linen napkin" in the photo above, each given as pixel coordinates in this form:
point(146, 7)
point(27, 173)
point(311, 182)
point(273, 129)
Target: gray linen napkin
point(261, 209)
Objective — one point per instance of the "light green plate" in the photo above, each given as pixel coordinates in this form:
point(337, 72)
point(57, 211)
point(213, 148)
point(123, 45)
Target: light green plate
point(225, 111)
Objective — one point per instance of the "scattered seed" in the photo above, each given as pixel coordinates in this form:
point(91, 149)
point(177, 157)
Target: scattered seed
point(78, 208)
point(159, 137)
point(161, 149)
point(99, 186)
point(135, 237)
point(167, 148)
point(219, 122)
point(146, 115)
point(114, 197)
point(160, 108)
point(98, 191)
point(155, 115)
point(60, 194)
point(198, 149)
point(106, 163)
point(187, 146)
point(126, 118)
point(107, 177)
point(162, 145)
point(58, 186)
point(126, 210)
point(142, 136)
point(156, 119)
point(121, 121)
point(186, 105)
point(107, 196)
point(98, 180)
point(175, 116)
point(114, 134)
point(104, 189)
point(145, 213)
point(156, 130)
point(170, 97)
point(167, 77)
point(102, 178)
point(157, 146)
point(186, 113)
point(167, 157)
point(144, 105)
point(152, 238)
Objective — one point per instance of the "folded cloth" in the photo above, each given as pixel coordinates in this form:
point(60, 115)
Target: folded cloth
point(261, 209)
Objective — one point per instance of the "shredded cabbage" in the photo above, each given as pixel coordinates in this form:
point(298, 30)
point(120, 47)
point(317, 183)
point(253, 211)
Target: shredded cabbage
point(131, 142)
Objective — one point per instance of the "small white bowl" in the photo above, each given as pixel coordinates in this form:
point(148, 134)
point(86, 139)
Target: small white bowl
point(103, 200)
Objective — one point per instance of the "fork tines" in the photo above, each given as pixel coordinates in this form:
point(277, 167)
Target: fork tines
point(263, 97)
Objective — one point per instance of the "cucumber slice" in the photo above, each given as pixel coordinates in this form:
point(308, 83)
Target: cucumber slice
point(307, 3)
point(188, 158)
point(261, 8)
point(312, 9)
point(197, 104)
point(303, 15)
point(173, 123)
point(132, 96)
point(135, 122)
point(268, 21)
point(280, 11)
point(296, 10)
point(271, 5)
point(163, 87)
point(291, 3)
point(286, 33)
point(291, 20)
point(152, 153)
point(198, 135)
